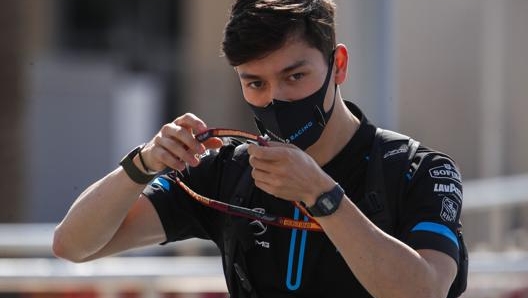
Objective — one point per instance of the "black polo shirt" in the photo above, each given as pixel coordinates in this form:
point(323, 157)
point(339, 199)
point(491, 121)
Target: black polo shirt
point(296, 263)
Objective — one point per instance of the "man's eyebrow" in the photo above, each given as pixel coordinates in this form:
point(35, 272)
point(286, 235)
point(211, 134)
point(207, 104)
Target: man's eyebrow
point(293, 66)
point(248, 76)
point(287, 69)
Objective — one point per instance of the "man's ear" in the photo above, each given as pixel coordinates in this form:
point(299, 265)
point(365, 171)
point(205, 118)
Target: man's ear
point(341, 63)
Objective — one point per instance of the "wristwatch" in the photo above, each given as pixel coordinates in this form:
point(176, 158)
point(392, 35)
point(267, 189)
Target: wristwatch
point(132, 170)
point(327, 203)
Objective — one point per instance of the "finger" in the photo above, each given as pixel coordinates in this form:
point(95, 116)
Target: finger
point(191, 121)
point(264, 187)
point(259, 174)
point(270, 189)
point(260, 181)
point(281, 144)
point(261, 164)
point(177, 150)
point(270, 144)
point(195, 125)
point(273, 153)
point(184, 136)
point(271, 180)
point(257, 151)
point(168, 159)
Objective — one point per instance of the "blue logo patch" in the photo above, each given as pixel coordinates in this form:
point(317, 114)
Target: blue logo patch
point(164, 183)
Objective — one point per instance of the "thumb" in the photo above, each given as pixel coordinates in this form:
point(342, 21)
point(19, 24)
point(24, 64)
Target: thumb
point(280, 144)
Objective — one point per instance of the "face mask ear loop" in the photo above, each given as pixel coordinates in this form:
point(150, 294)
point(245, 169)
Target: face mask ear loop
point(260, 126)
point(319, 113)
point(322, 117)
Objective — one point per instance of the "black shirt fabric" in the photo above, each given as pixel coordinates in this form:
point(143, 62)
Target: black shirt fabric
point(296, 263)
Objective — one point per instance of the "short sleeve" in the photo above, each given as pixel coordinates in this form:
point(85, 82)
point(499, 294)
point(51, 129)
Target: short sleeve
point(432, 205)
point(182, 216)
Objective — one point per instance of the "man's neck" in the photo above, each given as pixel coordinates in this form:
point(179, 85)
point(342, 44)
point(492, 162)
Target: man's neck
point(338, 132)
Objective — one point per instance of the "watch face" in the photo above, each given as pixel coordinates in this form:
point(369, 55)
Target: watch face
point(327, 203)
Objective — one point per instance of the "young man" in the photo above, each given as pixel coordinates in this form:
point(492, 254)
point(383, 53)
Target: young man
point(290, 67)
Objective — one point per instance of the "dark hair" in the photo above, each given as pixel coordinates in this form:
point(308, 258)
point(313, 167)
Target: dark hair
point(259, 27)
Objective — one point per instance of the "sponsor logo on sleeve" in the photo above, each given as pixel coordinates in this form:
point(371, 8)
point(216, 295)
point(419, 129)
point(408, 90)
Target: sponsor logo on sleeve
point(445, 171)
point(161, 182)
point(449, 210)
point(448, 188)
point(401, 150)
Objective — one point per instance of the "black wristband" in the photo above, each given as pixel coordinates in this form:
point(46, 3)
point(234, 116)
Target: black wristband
point(132, 170)
point(147, 170)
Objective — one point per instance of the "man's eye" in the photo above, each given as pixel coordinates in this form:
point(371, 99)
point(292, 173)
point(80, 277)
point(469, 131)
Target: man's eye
point(296, 76)
point(255, 84)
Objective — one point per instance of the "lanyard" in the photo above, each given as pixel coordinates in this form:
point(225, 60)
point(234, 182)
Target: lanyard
point(235, 210)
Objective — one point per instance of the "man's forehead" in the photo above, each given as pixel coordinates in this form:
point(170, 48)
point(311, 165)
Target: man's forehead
point(248, 71)
point(284, 60)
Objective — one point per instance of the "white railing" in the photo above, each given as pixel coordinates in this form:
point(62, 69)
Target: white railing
point(27, 265)
point(495, 192)
point(149, 276)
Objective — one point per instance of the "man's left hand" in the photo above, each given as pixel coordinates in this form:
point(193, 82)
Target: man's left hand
point(287, 172)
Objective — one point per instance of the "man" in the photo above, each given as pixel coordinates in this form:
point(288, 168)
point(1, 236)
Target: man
point(290, 67)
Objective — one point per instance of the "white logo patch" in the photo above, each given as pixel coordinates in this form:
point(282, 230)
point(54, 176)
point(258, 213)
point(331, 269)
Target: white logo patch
point(446, 171)
point(447, 188)
point(395, 151)
point(264, 244)
point(449, 210)
point(258, 227)
point(207, 152)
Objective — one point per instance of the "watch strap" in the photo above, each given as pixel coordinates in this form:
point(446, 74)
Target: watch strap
point(132, 170)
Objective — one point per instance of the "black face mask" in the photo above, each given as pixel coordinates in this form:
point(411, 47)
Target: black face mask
point(300, 122)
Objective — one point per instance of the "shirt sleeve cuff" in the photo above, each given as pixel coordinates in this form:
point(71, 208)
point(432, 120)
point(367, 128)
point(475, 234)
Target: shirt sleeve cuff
point(431, 235)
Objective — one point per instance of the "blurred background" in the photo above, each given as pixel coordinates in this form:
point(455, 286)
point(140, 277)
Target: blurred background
point(84, 81)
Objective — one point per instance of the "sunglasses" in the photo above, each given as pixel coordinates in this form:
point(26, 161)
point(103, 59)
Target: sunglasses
point(231, 133)
point(279, 221)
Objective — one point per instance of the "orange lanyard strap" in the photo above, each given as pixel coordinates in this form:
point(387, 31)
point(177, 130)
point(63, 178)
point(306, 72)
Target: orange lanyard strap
point(233, 133)
point(279, 221)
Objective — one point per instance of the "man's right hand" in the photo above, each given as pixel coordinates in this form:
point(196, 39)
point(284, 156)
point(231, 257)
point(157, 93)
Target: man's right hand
point(174, 145)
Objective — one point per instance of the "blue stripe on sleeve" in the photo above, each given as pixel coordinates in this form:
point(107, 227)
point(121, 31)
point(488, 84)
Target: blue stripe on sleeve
point(436, 228)
point(162, 182)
